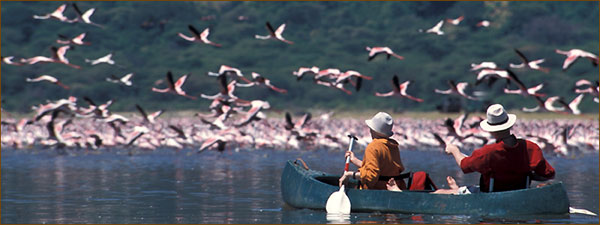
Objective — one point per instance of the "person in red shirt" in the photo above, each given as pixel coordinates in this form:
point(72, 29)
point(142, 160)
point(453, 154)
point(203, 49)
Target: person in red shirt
point(508, 164)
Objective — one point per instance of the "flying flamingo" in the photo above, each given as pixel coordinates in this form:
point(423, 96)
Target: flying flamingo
point(530, 64)
point(274, 34)
point(149, 118)
point(455, 21)
point(458, 89)
point(104, 59)
point(399, 90)
point(573, 106)
point(436, 29)
point(48, 78)
point(198, 37)
point(57, 14)
point(58, 56)
point(374, 51)
point(174, 87)
point(225, 70)
point(483, 65)
point(125, 80)
point(258, 80)
point(483, 23)
point(346, 77)
point(574, 54)
point(85, 17)
point(74, 41)
point(527, 91)
point(8, 60)
point(254, 112)
point(592, 89)
point(304, 71)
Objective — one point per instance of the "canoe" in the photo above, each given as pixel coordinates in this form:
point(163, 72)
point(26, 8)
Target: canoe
point(305, 188)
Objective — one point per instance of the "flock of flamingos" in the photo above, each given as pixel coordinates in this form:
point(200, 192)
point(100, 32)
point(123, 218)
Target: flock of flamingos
point(241, 124)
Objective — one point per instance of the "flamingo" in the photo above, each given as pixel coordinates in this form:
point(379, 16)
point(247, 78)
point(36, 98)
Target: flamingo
point(8, 60)
point(57, 14)
point(85, 17)
point(592, 89)
point(58, 56)
point(199, 37)
point(254, 112)
point(104, 59)
point(574, 54)
point(455, 21)
point(436, 29)
point(258, 80)
point(274, 34)
point(483, 65)
point(304, 71)
point(225, 70)
point(399, 90)
point(331, 73)
point(174, 87)
point(374, 51)
point(339, 86)
point(48, 78)
point(75, 41)
point(458, 89)
point(530, 64)
point(346, 77)
point(483, 23)
point(573, 106)
point(527, 91)
point(125, 80)
point(149, 118)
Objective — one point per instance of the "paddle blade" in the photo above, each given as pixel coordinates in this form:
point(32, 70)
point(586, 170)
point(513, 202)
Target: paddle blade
point(338, 202)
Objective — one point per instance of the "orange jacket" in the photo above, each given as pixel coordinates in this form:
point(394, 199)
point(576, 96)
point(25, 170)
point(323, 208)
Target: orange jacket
point(382, 158)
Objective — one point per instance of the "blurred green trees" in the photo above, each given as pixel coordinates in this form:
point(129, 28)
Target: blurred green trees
point(143, 39)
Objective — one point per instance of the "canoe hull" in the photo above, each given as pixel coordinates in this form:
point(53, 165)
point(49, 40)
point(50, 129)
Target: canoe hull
point(303, 188)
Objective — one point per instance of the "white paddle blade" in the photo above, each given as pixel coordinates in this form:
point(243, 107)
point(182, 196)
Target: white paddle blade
point(338, 202)
point(580, 211)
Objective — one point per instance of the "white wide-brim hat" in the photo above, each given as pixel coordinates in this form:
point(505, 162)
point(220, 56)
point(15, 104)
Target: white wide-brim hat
point(381, 123)
point(497, 119)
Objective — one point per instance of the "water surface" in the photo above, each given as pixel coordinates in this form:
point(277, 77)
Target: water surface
point(166, 186)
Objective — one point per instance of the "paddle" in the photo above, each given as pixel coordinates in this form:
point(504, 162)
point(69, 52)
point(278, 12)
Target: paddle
point(338, 202)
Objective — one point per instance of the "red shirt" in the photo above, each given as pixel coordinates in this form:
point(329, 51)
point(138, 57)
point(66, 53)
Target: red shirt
point(509, 166)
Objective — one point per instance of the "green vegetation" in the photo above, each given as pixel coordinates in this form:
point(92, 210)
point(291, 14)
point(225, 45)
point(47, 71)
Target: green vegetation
point(326, 34)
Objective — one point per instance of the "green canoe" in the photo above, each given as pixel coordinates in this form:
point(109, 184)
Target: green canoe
point(305, 188)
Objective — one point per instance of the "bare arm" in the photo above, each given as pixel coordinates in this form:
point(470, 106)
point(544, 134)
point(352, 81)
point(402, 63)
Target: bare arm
point(455, 151)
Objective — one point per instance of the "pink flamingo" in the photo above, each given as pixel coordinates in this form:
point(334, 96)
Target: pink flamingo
point(483, 23)
point(574, 54)
point(48, 78)
point(8, 60)
point(483, 65)
point(149, 118)
point(458, 89)
point(225, 70)
point(199, 37)
point(399, 90)
point(374, 51)
point(305, 71)
point(592, 89)
point(57, 14)
point(58, 56)
point(274, 34)
point(174, 87)
point(74, 41)
point(455, 21)
point(528, 91)
point(85, 17)
point(258, 80)
point(530, 64)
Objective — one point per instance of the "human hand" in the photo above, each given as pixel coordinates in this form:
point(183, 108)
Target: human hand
point(343, 178)
point(451, 149)
point(351, 154)
point(391, 185)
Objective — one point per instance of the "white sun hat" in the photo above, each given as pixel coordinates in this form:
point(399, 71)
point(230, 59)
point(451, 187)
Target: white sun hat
point(381, 123)
point(497, 119)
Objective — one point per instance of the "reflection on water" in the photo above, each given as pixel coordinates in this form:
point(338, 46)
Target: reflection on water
point(39, 186)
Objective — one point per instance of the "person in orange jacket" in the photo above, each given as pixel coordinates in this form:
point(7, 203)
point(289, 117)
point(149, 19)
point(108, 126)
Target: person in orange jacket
point(382, 157)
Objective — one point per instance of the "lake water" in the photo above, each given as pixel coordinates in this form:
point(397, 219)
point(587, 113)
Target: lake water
point(166, 186)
